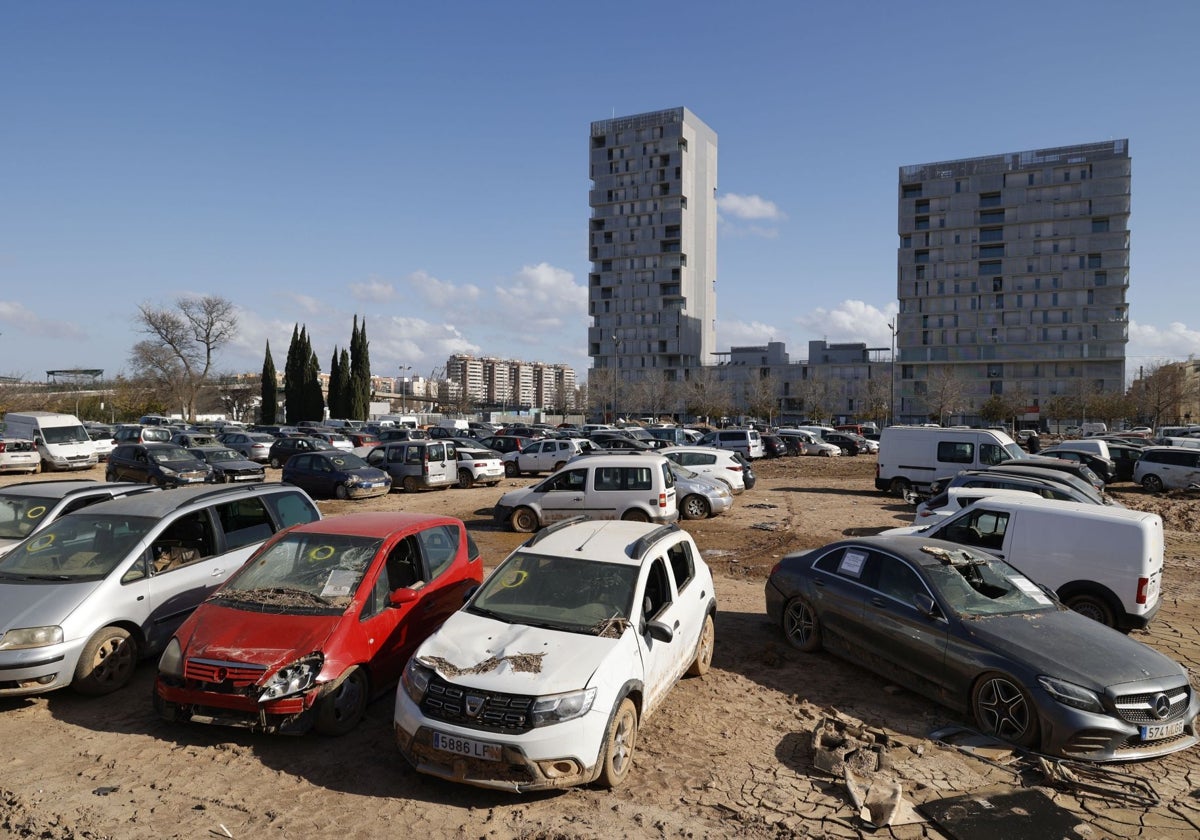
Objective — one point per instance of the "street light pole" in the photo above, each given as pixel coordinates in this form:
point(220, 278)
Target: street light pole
point(892, 376)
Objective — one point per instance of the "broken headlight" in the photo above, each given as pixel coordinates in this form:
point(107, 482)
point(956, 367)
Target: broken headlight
point(415, 680)
point(171, 661)
point(296, 678)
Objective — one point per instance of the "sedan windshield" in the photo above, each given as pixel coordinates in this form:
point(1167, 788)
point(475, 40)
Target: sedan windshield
point(304, 570)
point(77, 547)
point(564, 593)
point(975, 584)
point(177, 456)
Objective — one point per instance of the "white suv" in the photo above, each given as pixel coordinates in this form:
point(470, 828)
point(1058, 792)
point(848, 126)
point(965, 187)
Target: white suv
point(543, 678)
point(711, 462)
point(547, 455)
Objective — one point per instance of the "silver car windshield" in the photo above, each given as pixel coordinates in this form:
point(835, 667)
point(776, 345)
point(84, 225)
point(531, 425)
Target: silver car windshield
point(562, 593)
point(81, 546)
point(304, 570)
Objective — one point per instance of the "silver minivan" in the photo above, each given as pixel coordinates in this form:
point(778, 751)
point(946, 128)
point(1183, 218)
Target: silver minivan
point(83, 599)
point(417, 464)
point(600, 486)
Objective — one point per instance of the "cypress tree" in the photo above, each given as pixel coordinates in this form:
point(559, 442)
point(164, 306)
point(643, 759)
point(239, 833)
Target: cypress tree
point(360, 372)
point(337, 387)
point(293, 378)
point(344, 366)
point(314, 408)
point(270, 397)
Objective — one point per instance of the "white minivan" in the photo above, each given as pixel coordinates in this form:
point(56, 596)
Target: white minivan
point(62, 441)
point(1103, 562)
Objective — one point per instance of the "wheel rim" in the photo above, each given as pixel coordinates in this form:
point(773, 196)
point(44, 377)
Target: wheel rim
point(705, 653)
point(635, 515)
point(695, 507)
point(464, 478)
point(622, 743)
point(1091, 608)
point(113, 661)
point(524, 520)
point(410, 484)
point(1152, 483)
point(347, 702)
point(799, 622)
point(340, 492)
point(1002, 710)
point(510, 469)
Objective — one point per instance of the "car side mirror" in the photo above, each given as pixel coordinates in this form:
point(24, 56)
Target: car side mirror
point(660, 632)
point(925, 604)
point(400, 597)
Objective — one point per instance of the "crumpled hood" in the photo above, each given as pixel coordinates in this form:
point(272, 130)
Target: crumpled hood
point(561, 661)
point(41, 604)
point(233, 635)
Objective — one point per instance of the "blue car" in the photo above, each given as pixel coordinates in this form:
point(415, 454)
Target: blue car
point(336, 474)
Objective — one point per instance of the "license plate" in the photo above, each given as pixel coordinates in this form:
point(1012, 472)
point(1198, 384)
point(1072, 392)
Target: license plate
point(1161, 730)
point(466, 746)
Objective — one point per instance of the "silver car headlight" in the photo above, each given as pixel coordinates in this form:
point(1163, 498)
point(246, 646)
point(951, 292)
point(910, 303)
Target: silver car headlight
point(562, 707)
point(296, 678)
point(1069, 694)
point(415, 680)
point(31, 637)
point(171, 661)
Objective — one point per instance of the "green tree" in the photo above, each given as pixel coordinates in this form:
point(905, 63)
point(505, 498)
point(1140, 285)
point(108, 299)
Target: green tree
point(339, 387)
point(269, 392)
point(359, 403)
point(293, 377)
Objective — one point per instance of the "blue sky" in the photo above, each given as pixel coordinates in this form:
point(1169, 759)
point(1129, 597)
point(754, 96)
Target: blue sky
point(425, 165)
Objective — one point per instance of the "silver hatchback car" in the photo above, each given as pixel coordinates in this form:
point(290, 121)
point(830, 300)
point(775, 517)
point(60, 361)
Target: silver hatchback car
point(83, 599)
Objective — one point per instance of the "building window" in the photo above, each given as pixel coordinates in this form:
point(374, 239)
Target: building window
point(1100, 278)
point(922, 223)
point(1099, 225)
point(906, 241)
point(997, 284)
point(991, 199)
point(991, 235)
point(910, 191)
point(1093, 261)
point(989, 268)
point(921, 257)
point(988, 251)
point(991, 217)
point(920, 272)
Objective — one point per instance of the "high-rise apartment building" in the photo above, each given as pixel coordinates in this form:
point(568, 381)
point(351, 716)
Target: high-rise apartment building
point(1012, 277)
point(652, 244)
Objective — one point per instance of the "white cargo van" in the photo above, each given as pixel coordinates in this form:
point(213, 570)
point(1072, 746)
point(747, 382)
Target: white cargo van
point(913, 457)
point(1101, 561)
point(62, 441)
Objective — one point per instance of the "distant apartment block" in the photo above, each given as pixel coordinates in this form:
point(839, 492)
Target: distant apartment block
point(1012, 277)
point(508, 384)
point(652, 244)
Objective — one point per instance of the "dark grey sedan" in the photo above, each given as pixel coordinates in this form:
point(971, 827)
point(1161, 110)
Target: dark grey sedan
point(972, 632)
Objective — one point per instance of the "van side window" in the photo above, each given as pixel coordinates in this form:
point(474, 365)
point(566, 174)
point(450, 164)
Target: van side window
point(413, 455)
point(636, 478)
point(951, 452)
point(183, 542)
point(991, 454)
point(244, 521)
point(983, 528)
point(608, 478)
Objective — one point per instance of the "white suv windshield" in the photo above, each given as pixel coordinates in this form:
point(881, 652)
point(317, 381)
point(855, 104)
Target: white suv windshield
point(563, 593)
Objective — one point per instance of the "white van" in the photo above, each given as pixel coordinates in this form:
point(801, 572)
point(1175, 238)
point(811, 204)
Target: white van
point(62, 441)
point(1101, 561)
point(913, 457)
point(460, 427)
point(637, 487)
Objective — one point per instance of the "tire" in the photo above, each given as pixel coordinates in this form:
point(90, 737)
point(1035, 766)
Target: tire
point(341, 493)
point(801, 627)
point(274, 461)
point(1093, 606)
point(510, 469)
point(695, 507)
point(110, 476)
point(559, 466)
point(340, 711)
point(1152, 483)
point(107, 662)
point(635, 515)
point(899, 487)
point(1003, 708)
point(465, 480)
point(523, 520)
point(619, 743)
point(704, 650)
point(410, 484)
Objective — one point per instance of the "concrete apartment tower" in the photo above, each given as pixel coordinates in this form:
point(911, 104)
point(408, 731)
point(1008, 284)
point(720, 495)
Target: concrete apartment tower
point(1012, 277)
point(652, 242)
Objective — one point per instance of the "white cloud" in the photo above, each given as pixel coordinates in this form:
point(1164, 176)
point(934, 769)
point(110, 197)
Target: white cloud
point(541, 297)
point(24, 320)
point(373, 291)
point(440, 293)
point(747, 334)
point(308, 305)
point(1175, 341)
point(849, 321)
point(749, 207)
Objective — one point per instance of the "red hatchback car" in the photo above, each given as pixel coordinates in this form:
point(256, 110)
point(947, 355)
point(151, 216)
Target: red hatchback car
point(318, 621)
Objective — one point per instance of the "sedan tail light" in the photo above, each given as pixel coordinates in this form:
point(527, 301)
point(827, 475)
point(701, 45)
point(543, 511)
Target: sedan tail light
point(1142, 588)
point(735, 468)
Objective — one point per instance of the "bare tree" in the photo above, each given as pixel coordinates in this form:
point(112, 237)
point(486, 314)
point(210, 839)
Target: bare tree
point(876, 401)
point(1060, 407)
point(818, 396)
point(1163, 394)
point(707, 395)
point(182, 344)
point(762, 397)
point(238, 397)
point(946, 394)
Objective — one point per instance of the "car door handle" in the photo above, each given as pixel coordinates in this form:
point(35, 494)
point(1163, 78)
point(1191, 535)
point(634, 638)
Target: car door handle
point(217, 572)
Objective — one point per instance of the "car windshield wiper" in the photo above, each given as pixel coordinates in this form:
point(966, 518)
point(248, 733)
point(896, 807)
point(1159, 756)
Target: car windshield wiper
point(11, 576)
point(486, 613)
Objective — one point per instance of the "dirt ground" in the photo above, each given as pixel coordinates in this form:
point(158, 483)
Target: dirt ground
point(729, 755)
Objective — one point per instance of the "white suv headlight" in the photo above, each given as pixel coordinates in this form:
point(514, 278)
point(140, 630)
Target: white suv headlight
point(415, 680)
point(31, 637)
point(561, 707)
point(296, 678)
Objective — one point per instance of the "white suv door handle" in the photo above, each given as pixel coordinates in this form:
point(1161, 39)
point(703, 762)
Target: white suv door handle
point(217, 572)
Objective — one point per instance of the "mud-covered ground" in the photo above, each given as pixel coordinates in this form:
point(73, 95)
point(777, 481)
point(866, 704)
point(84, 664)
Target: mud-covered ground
point(728, 755)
